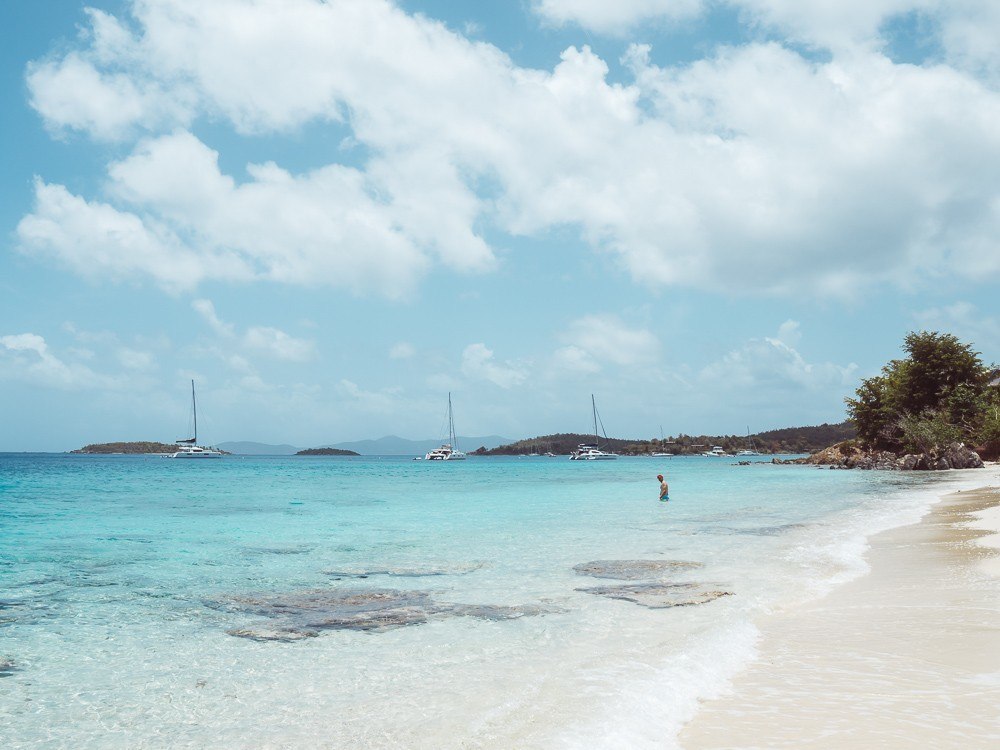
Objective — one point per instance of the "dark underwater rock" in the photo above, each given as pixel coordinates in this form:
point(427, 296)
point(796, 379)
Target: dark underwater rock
point(660, 595)
point(633, 570)
point(402, 572)
point(304, 614)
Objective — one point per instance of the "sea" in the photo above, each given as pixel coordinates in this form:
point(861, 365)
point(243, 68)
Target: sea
point(328, 602)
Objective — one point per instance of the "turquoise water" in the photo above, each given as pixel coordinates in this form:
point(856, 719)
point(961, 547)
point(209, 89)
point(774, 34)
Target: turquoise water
point(330, 602)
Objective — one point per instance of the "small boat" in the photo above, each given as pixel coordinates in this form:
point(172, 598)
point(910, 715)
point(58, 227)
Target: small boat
point(189, 448)
point(587, 452)
point(752, 450)
point(661, 454)
point(716, 451)
point(448, 451)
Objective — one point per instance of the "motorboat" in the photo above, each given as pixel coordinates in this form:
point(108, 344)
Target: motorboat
point(716, 451)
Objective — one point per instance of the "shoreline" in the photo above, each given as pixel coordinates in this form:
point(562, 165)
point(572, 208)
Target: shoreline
point(908, 655)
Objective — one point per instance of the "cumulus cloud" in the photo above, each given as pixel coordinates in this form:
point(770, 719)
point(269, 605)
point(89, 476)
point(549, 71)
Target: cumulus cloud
point(965, 28)
point(206, 309)
point(606, 338)
point(384, 401)
point(965, 320)
point(574, 359)
point(278, 344)
point(773, 365)
point(478, 362)
point(402, 350)
point(614, 17)
point(875, 172)
point(267, 340)
point(27, 357)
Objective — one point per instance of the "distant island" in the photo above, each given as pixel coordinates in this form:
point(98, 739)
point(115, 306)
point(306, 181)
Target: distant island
point(787, 440)
point(326, 452)
point(129, 448)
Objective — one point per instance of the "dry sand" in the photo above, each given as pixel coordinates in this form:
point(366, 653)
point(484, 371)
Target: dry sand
point(906, 657)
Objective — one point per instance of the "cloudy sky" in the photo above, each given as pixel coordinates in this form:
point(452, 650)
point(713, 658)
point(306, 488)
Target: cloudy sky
point(713, 214)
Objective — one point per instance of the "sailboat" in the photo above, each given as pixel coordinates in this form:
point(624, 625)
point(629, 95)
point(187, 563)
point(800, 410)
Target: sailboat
point(752, 450)
point(188, 447)
point(661, 454)
point(448, 451)
point(586, 452)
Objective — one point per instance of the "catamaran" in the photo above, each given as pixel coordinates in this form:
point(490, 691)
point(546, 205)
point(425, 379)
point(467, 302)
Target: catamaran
point(587, 452)
point(752, 450)
point(448, 451)
point(662, 453)
point(189, 448)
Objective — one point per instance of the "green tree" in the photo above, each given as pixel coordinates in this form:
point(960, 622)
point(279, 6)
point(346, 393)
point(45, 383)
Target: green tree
point(937, 394)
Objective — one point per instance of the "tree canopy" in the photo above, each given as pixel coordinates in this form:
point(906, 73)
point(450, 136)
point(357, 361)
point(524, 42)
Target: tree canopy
point(939, 393)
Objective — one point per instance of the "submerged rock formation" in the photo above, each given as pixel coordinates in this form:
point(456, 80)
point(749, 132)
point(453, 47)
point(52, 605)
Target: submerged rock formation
point(633, 570)
point(304, 614)
point(654, 594)
point(660, 595)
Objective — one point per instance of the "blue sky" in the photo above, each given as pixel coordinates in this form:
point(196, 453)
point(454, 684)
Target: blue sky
point(712, 214)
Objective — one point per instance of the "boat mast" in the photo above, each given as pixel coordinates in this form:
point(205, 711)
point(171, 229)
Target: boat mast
point(597, 439)
point(451, 425)
point(194, 409)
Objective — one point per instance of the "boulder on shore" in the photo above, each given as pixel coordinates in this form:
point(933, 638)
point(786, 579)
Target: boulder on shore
point(849, 455)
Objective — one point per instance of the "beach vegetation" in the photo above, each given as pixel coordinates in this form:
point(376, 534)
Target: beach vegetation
point(939, 394)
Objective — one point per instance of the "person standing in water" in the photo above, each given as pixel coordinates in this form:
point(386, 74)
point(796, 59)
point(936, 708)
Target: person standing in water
point(664, 490)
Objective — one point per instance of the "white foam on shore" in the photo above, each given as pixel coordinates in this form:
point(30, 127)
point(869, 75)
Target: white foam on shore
point(649, 710)
point(905, 657)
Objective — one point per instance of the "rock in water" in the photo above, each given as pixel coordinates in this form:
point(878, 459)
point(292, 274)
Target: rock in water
point(633, 570)
point(304, 614)
point(660, 595)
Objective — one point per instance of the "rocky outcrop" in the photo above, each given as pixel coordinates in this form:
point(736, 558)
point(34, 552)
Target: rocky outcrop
point(850, 455)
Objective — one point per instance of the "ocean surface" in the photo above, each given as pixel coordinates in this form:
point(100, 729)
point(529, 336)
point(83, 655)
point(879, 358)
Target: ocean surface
point(387, 603)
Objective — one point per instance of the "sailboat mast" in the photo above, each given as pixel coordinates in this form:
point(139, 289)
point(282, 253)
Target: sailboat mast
point(593, 404)
point(451, 425)
point(194, 409)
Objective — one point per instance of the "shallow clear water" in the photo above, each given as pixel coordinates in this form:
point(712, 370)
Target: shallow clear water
point(154, 603)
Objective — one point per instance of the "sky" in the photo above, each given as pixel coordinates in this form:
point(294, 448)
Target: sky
point(713, 215)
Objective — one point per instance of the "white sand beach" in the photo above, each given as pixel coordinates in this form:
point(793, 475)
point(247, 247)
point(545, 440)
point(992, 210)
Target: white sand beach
point(907, 656)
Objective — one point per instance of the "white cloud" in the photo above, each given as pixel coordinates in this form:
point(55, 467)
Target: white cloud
point(267, 340)
point(278, 344)
point(379, 402)
point(772, 365)
point(614, 17)
point(605, 338)
point(966, 28)
point(206, 309)
point(26, 356)
point(967, 322)
point(402, 350)
point(98, 241)
point(134, 359)
point(789, 333)
point(875, 173)
point(478, 363)
point(573, 359)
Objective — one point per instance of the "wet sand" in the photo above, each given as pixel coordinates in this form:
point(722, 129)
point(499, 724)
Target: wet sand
point(907, 656)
